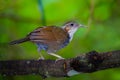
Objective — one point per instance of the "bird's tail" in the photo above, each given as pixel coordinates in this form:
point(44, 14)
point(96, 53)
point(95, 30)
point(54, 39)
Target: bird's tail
point(19, 41)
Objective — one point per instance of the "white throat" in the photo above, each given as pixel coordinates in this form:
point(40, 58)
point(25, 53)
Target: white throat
point(71, 32)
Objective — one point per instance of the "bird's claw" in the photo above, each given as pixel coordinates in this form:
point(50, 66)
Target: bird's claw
point(41, 58)
point(59, 59)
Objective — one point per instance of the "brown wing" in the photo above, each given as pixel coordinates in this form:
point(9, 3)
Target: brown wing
point(60, 34)
point(48, 35)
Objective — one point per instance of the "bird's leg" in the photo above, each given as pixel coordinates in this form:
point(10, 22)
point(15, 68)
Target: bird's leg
point(53, 54)
point(41, 56)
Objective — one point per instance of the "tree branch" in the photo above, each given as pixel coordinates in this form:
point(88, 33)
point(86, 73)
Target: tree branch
point(86, 63)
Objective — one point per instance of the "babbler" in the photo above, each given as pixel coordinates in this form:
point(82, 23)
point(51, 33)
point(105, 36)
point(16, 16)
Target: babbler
point(51, 38)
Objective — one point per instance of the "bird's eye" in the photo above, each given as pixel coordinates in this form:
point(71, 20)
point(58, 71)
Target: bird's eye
point(71, 24)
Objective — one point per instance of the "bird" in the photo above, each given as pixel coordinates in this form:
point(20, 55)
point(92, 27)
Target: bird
point(51, 38)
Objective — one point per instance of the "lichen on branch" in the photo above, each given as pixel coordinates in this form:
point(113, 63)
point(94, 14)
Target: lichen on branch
point(85, 63)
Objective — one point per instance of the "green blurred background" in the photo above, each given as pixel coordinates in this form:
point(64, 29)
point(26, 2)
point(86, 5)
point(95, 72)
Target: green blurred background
point(19, 17)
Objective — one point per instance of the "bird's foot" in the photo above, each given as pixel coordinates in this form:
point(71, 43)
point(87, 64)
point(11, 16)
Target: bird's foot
point(59, 59)
point(41, 58)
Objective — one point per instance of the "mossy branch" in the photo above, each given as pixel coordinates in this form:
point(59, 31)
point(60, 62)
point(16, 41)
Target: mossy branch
point(86, 63)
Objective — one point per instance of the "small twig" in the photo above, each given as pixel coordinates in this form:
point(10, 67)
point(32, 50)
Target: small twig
point(41, 7)
point(90, 19)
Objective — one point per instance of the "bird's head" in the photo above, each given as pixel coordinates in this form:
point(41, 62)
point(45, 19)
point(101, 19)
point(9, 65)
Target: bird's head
point(71, 27)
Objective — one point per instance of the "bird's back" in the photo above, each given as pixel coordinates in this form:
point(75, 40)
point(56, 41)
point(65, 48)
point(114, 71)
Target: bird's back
point(50, 38)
